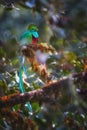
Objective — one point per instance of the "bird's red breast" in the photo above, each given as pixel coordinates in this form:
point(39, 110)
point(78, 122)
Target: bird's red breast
point(34, 40)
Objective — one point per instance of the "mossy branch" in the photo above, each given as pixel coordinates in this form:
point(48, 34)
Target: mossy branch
point(41, 95)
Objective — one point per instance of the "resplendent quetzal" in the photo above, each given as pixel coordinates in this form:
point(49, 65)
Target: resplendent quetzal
point(30, 36)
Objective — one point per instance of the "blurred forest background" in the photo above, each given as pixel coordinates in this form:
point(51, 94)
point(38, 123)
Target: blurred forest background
point(60, 104)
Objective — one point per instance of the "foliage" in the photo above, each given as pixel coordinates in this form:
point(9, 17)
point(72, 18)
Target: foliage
point(62, 26)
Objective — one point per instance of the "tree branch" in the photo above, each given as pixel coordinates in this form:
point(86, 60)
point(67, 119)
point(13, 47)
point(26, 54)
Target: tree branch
point(41, 95)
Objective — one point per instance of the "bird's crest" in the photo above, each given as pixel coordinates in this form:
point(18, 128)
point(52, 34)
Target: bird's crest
point(32, 27)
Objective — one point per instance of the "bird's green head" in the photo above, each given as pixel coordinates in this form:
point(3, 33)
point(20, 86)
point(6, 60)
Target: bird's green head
point(33, 30)
point(32, 27)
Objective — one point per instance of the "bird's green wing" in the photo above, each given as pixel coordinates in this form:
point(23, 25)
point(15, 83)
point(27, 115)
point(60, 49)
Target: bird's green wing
point(26, 34)
point(26, 37)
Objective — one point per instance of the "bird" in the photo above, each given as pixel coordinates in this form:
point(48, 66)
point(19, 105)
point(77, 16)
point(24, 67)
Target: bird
point(30, 36)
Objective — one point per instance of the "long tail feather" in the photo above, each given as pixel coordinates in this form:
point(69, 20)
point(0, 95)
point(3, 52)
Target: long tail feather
point(22, 87)
point(21, 81)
